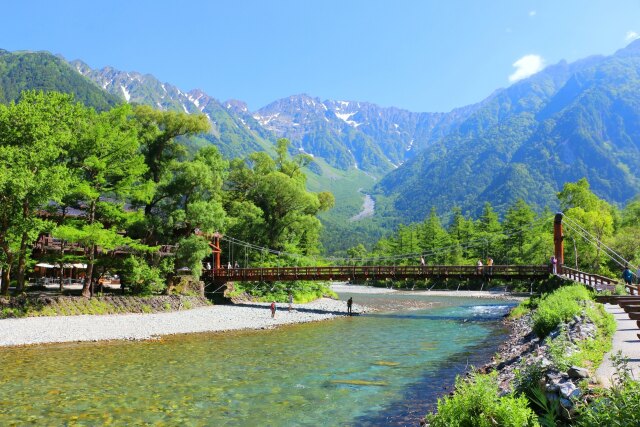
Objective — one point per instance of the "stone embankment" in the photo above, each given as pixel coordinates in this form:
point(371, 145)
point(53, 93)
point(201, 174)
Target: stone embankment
point(525, 352)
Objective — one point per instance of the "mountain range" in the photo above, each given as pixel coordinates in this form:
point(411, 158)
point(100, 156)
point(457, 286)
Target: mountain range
point(569, 121)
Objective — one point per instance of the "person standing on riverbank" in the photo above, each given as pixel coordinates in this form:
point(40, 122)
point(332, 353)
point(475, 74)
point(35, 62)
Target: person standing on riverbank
point(290, 300)
point(349, 304)
point(273, 310)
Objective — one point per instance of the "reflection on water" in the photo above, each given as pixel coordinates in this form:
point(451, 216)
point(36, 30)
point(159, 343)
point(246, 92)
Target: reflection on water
point(379, 369)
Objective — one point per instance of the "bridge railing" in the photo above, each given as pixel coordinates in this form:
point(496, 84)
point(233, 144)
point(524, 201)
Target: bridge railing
point(594, 281)
point(373, 272)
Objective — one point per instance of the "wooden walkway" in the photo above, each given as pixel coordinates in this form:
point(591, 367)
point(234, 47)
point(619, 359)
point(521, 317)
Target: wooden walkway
point(361, 273)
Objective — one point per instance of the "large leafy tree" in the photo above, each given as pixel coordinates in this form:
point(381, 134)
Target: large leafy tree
point(594, 215)
point(108, 171)
point(270, 199)
point(158, 131)
point(35, 136)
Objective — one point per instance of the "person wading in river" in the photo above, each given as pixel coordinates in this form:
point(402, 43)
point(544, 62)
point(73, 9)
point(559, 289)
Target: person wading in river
point(349, 304)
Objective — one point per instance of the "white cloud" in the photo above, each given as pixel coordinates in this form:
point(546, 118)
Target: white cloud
point(631, 36)
point(526, 66)
point(532, 13)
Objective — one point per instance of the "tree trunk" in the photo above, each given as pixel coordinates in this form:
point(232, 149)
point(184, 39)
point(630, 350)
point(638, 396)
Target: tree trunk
point(87, 287)
point(22, 262)
point(6, 278)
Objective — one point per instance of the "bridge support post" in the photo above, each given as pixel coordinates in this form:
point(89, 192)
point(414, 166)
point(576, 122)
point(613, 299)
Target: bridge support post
point(558, 242)
point(216, 250)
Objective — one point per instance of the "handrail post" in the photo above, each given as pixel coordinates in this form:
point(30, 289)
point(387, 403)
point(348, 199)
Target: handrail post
point(558, 241)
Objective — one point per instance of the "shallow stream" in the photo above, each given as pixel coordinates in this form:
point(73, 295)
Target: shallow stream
point(383, 368)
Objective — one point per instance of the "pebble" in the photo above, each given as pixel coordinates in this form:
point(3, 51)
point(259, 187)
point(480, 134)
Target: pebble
point(39, 330)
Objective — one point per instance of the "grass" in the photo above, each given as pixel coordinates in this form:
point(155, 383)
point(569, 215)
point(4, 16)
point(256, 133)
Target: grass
point(71, 306)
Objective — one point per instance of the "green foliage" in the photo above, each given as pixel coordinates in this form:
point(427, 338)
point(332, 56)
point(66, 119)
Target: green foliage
point(522, 309)
point(476, 403)
point(140, 278)
point(191, 251)
point(303, 291)
point(618, 406)
point(587, 353)
point(558, 307)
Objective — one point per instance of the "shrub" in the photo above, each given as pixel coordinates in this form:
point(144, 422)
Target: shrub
point(140, 278)
point(557, 307)
point(619, 406)
point(476, 404)
point(522, 309)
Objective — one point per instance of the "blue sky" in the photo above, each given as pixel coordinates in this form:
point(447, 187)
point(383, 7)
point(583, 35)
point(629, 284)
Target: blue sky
point(418, 55)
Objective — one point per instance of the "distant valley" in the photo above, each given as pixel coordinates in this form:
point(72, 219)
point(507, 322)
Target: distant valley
point(569, 121)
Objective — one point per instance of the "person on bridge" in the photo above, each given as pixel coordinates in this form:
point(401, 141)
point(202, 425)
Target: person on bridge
point(273, 309)
point(236, 265)
point(422, 261)
point(349, 304)
point(554, 264)
point(489, 265)
point(627, 275)
point(229, 265)
point(479, 267)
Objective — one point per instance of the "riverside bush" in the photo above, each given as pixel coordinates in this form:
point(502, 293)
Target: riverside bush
point(619, 405)
point(476, 403)
point(557, 307)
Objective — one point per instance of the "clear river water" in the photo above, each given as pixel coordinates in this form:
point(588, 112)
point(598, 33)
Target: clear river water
point(381, 369)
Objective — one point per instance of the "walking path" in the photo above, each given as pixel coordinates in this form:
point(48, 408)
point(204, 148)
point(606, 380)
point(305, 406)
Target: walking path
point(626, 341)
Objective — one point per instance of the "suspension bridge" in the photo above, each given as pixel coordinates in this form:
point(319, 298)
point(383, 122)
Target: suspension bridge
point(217, 275)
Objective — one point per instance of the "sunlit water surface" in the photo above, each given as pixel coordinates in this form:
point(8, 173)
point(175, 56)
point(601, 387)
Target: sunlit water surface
point(376, 369)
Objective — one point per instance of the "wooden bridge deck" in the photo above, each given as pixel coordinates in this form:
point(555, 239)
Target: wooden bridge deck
point(272, 274)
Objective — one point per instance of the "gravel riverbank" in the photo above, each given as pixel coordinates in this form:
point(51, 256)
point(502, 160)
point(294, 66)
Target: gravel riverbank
point(39, 330)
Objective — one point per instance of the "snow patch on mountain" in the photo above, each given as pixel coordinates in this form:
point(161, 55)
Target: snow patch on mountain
point(126, 93)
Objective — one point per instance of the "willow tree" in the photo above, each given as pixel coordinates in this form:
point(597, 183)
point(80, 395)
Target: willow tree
point(270, 198)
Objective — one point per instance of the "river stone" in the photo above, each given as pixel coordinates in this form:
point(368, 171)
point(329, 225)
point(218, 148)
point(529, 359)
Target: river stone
point(577, 372)
point(569, 390)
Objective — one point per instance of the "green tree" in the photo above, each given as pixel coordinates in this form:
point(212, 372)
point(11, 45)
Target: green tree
point(270, 203)
point(434, 239)
point(158, 131)
point(595, 215)
point(109, 170)
point(489, 232)
point(518, 223)
point(35, 134)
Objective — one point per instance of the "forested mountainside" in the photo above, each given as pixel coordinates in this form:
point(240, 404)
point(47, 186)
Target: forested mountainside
point(567, 122)
point(571, 120)
point(43, 71)
point(233, 132)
